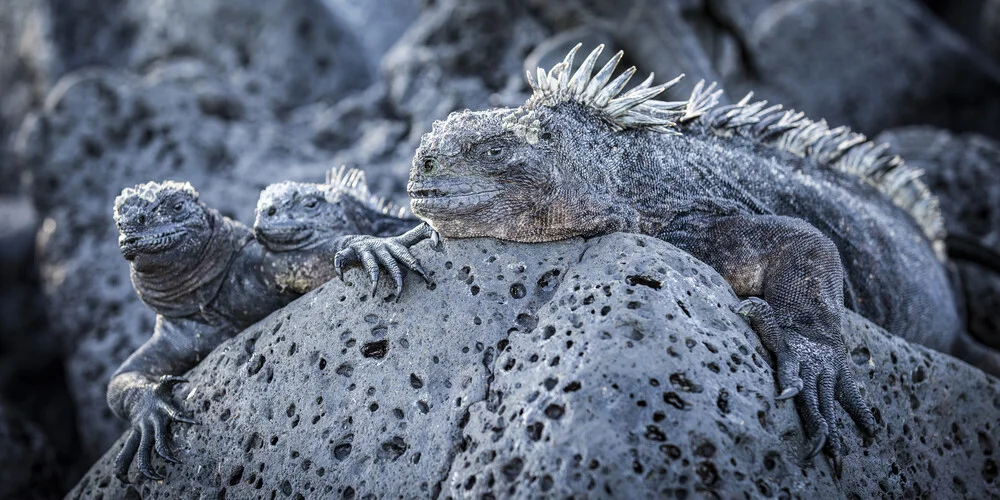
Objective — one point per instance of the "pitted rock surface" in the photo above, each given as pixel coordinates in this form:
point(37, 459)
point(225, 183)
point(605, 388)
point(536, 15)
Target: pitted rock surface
point(604, 367)
point(286, 52)
point(960, 169)
point(104, 130)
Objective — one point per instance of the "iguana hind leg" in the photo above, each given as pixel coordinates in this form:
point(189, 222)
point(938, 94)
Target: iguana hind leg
point(795, 279)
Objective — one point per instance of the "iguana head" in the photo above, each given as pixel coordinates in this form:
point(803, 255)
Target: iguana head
point(298, 215)
point(534, 173)
point(160, 224)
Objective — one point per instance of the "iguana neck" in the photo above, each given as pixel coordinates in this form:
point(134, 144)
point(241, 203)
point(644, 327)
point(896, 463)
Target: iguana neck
point(187, 285)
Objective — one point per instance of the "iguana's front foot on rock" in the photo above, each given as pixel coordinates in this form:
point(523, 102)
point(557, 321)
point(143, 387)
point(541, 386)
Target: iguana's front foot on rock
point(815, 371)
point(150, 413)
point(373, 252)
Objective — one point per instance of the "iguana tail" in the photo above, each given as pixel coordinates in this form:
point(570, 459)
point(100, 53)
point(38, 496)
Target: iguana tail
point(970, 350)
point(969, 249)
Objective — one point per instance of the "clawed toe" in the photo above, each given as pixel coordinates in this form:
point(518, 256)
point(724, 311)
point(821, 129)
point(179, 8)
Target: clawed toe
point(788, 393)
point(817, 446)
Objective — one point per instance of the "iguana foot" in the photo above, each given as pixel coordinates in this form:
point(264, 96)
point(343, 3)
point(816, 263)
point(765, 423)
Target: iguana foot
point(816, 372)
point(152, 413)
point(374, 252)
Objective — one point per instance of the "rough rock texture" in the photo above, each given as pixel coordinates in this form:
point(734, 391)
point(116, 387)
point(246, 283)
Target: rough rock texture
point(961, 169)
point(288, 52)
point(869, 65)
point(25, 74)
point(603, 367)
point(101, 131)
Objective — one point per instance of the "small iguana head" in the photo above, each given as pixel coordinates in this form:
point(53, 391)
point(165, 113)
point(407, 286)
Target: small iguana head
point(160, 224)
point(298, 215)
point(538, 172)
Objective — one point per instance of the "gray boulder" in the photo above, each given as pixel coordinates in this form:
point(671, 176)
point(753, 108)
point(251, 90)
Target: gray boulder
point(869, 65)
point(603, 367)
point(961, 169)
point(28, 467)
point(990, 27)
point(287, 52)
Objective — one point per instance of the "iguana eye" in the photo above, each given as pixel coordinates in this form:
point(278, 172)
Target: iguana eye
point(178, 206)
point(494, 151)
point(429, 165)
point(310, 203)
point(271, 211)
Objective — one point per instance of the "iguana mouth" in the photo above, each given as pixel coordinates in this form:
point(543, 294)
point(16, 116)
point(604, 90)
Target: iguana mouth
point(149, 243)
point(283, 234)
point(457, 195)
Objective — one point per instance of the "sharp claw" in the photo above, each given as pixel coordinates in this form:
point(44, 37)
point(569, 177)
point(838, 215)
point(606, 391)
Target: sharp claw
point(166, 455)
point(338, 264)
point(820, 441)
point(838, 465)
point(435, 239)
point(789, 392)
point(186, 420)
point(420, 271)
point(151, 474)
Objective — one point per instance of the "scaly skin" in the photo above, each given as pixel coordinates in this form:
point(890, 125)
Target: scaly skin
point(207, 279)
point(300, 217)
point(797, 217)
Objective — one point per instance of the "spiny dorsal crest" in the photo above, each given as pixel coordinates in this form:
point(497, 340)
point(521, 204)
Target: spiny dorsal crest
point(636, 108)
point(837, 148)
point(352, 181)
point(149, 192)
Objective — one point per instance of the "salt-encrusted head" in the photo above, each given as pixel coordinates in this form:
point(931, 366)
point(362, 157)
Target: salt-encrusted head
point(160, 222)
point(296, 215)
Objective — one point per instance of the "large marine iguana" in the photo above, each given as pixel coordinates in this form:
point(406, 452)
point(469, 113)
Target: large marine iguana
point(800, 218)
point(295, 216)
point(207, 279)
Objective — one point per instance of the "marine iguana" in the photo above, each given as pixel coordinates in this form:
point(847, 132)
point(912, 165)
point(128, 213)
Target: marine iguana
point(207, 279)
point(298, 215)
point(800, 218)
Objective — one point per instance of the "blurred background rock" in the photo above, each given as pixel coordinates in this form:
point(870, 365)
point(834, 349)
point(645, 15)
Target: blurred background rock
point(231, 95)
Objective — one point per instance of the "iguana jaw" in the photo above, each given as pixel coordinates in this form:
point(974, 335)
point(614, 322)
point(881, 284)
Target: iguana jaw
point(453, 197)
point(150, 242)
point(283, 237)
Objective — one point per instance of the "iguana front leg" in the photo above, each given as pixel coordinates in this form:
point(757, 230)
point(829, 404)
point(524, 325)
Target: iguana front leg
point(139, 391)
point(794, 274)
point(373, 252)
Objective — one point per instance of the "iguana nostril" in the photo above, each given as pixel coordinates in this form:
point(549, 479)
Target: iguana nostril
point(271, 211)
point(141, 219)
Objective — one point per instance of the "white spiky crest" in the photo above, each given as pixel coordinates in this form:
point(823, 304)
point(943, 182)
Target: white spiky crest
point(836, 148)
point(636, 108)
point(353, 182)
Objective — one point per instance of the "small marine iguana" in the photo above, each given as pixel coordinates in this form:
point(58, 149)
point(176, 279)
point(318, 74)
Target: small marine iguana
point(207, 279)
point(296, 216)
point(800, 218)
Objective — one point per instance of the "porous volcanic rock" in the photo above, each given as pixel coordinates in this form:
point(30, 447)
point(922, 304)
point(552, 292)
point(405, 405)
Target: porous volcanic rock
point(603, 367)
